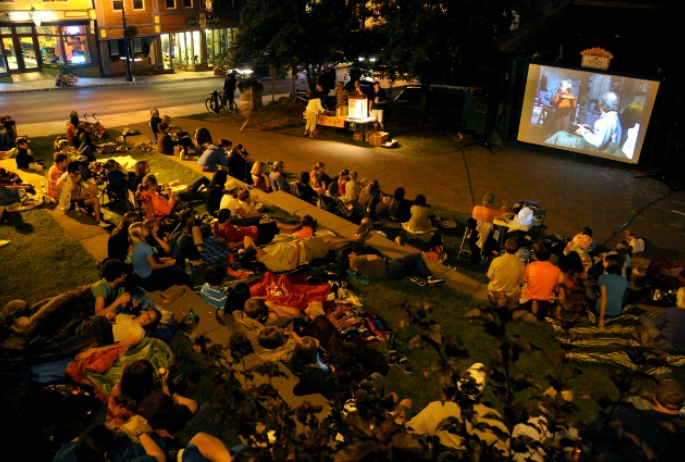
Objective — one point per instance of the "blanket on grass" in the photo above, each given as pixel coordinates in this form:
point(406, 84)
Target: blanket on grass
point(611, 346)
point(104, 369)
point(211, 253)
point(283, 291)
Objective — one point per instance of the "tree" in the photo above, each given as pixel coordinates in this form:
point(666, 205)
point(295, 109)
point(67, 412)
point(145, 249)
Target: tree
point(303, 35)
point(431, 39)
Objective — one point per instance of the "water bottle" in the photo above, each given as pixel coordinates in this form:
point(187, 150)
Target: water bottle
point(189, 268)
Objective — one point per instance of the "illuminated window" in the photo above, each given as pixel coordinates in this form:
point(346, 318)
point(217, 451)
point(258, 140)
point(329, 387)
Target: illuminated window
point(170, 4)
point(138, 5)
point(117, 5)
point(63, 44)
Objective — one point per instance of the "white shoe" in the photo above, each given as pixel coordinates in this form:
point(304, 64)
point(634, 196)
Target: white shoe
point(103, 224)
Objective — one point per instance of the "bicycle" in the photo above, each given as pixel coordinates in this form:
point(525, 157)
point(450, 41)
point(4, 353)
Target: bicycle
point(217, 102)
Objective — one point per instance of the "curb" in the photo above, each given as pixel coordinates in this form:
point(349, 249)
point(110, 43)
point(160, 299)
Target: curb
point(105, 85)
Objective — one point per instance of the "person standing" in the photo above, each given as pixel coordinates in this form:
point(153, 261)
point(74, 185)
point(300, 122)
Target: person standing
point(377, 102)
point(314, 108)
point(564, 105)
point(229, 88)
point(342, 97)
point(246, 106)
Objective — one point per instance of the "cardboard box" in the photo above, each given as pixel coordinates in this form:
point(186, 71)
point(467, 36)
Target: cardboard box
point(378, 138)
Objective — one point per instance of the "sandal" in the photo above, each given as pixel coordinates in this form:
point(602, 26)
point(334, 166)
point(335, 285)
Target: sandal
point(404, 365)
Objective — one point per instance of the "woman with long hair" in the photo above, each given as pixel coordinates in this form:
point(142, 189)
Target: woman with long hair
point(259, 178)
point(155, 205)
point(421, 214)
point(118, 242)
point(145, 392)
point(151, 274)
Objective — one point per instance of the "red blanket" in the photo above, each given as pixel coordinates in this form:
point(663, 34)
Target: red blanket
point(282, 291)
point(99, 362)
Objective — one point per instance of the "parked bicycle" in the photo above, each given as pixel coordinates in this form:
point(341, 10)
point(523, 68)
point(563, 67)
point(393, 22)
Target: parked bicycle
point(217, 102)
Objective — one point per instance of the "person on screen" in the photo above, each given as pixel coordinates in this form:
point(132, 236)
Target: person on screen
point(604, 137)
point(564, 105)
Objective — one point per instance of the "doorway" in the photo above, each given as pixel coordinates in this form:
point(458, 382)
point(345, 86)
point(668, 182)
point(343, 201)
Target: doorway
point(19, 47)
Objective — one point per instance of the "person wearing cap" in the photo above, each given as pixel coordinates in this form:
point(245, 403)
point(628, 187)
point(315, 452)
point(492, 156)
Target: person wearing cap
point(506, 276)
point(485, 423)
point(656, 434)
point(485, 213)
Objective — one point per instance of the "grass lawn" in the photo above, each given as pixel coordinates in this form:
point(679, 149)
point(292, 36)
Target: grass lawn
point(42, 261)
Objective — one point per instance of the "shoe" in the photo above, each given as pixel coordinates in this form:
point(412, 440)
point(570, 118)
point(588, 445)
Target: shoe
point(418, 281)
point(77, 208)
point(404, 365)
point(103, 224)
point(433, 280)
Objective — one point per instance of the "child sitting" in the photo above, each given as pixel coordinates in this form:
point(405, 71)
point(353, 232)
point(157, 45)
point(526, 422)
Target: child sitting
point(24, 156)
point(211, 291)
point(116, 178)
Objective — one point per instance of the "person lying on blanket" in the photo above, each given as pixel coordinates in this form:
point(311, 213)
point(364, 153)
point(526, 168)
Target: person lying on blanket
point(127, 330)
point(288, 255)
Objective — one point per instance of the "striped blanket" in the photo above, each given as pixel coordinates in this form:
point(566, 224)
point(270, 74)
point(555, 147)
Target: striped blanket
point(589, 344)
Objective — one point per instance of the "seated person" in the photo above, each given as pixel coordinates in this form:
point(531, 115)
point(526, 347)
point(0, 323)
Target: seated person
point(155, 120)
point(670, 323)
point(139, 392)
point(230, 201)
point(304, 191)
point(233, 236)
point(186, 242)
point(55, 172)
point(485, 213)
point(421, 215)
point(582, 240)
point(109, 292)
point(98, 442)
point(149, 273)
point(179, 136)
point(326, 201)
point(288, 255)
point(277, 178)
point(319, 179)
point(238, 166)
point(612, 288)
point(400, 208)
point(248, 203)
point(116, 179)
point(604, 136)
point(259, 177)
point(86, 146)
point(118, 241)
point(272, 344)
point(211, 291)
point(165, 144)
point(213, 158)
point(542, 279)
point(506, 276)
point(24, 156)
point(156, 205)
point(215, 192)
point(127, 330)
point(343, 178)
point(313, 373)
point(372, 201)
point(353, 187)
point(135, 177)
point(412, 265)
point(73, 195)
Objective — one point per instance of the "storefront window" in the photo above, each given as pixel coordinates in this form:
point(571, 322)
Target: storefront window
point(218, 41)
point(8, 44)
point(63, 44)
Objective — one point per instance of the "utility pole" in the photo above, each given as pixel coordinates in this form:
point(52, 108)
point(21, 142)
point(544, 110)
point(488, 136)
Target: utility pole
point(129, 74)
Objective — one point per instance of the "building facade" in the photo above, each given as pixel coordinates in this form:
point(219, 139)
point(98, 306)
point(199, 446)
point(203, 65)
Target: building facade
point(39, 35)
point(165, 35)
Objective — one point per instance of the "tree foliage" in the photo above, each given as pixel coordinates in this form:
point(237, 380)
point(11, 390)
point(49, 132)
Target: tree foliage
point(438, 40)
point(302, 35)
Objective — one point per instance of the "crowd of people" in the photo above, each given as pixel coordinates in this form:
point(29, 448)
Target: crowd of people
point(160, 245)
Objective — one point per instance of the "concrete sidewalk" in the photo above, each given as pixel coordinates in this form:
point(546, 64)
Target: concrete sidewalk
point(46, 82)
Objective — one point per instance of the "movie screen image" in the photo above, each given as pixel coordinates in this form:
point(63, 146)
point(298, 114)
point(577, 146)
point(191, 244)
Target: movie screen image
point(586, 111)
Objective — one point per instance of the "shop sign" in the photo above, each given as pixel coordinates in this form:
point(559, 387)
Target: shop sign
point(596, 58)
point(195, 21)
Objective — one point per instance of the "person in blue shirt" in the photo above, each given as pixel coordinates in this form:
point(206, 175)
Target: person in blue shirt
point(211, 291)
point(213, 157)
point(612, 288)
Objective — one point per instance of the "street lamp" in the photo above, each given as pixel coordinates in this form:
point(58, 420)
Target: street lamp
point(129, 74)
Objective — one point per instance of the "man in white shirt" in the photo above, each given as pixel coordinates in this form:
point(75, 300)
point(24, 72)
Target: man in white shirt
point(506, 276)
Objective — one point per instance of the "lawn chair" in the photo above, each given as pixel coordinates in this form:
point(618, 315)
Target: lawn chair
point(115, 187)
point(131, 202)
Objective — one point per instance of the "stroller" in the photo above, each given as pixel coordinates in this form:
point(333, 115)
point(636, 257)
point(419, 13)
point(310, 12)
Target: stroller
point(100, 130)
